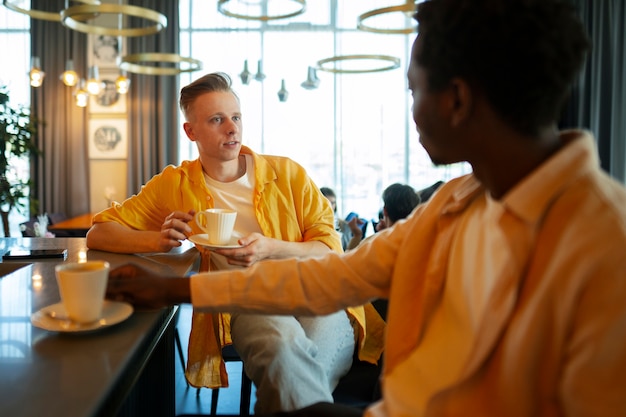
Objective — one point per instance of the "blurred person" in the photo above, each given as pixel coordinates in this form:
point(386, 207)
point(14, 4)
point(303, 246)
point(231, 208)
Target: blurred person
point(350, 230)
point(295, 360)
point(399, 200)
point(507, 290)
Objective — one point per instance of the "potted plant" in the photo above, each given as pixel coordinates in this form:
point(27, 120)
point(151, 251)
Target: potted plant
point(17, 130)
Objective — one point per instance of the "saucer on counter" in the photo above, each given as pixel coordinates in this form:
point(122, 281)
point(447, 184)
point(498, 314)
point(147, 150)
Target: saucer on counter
point(54, 318)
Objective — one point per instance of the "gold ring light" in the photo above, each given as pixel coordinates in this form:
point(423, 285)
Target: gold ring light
point(71, 17)
point(222, 7)
point(389, 63)
point(137, 63)
point(406, 10)
point(40, 14)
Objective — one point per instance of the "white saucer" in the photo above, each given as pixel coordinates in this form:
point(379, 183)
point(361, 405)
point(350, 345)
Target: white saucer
point(203, 240)
point(53, 318)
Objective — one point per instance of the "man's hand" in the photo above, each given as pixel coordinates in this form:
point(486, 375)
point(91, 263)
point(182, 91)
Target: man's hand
point(355, 225)
point(175, 229)
point(256, 247)
point(143, 288)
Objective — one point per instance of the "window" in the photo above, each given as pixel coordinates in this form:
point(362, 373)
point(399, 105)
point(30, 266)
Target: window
point(15, 31)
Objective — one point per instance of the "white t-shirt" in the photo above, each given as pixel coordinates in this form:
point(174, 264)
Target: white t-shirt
point(238, 196)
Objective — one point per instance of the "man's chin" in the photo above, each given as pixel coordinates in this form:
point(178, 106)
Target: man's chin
point(441, 162)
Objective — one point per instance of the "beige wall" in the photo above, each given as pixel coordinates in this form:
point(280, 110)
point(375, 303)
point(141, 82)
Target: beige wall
point(107, 183)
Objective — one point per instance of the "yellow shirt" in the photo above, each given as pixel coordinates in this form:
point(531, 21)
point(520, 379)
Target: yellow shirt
point(288, 206)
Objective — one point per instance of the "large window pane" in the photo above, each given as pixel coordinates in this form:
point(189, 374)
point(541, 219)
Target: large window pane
point(14, 31)
point(301, 127)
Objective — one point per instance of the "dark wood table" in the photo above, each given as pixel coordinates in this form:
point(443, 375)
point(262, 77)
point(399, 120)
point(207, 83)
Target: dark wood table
point(123, 370)
point(74, 227)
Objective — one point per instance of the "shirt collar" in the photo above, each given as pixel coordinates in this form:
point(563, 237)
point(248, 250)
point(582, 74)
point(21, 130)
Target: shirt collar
point(264, 171)
point(531, 197)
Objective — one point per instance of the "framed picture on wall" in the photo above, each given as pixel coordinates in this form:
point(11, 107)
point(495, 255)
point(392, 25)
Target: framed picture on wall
point(109, 101)
point(108, 139)
point(104, 50)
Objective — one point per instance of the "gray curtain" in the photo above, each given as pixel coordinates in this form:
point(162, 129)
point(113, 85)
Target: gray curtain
point(153, 111)
point(60, 174)
point(598, 101)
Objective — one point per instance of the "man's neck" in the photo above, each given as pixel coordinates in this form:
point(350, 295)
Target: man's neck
point(511, 158)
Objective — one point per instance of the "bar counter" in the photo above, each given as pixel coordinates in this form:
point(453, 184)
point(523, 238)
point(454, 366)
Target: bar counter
point(126, 369)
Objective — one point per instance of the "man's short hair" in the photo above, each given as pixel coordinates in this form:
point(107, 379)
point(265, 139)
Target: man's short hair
point(400, 200)
point(328, 192)
point(217, 81)
point(522, 54)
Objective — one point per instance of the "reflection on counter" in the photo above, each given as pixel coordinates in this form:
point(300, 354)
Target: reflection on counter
point(15, 311)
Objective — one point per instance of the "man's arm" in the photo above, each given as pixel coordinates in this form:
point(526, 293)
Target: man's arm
point(257, 247)
point(115, 237)
point(141, 287)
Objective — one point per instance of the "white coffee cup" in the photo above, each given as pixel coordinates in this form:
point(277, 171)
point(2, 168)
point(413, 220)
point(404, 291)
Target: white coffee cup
point(218, 224)
point(82, 286)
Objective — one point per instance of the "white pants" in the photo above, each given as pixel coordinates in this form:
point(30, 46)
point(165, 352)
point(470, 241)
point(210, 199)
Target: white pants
point(293, 361)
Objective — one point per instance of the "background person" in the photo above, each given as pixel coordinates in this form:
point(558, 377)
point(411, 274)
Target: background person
point(350, 230)
point(399, 200)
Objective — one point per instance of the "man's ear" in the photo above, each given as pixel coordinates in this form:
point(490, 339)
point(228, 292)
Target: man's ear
point(462, 101)
point(189, 131)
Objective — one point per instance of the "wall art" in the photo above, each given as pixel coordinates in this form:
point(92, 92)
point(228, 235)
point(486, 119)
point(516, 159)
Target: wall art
point(104, 50)
point(108, 139)
point(109, 101)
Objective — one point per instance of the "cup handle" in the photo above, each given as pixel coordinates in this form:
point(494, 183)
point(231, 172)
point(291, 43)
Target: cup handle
point(200, 219)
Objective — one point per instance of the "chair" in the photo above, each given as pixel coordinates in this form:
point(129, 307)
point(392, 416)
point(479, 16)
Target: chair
point(179, 348)
point(229, 354)
point(360, 387)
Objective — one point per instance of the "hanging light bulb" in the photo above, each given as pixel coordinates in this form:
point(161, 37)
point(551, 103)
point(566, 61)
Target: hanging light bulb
point(94, 85)
point(312, 82)
point(81, 95)
point(69, 76)
point(36, 74)
point(122, 83)
point(245, 74)
point(283, 93)
point(259, 76)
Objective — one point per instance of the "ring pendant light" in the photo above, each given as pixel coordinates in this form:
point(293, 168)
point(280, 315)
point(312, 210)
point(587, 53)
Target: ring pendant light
point(71, 17)
point(389, 63)
point(222, 7)
point(41, 14)
point(137, 63)
point(406, 10)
